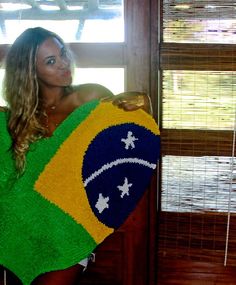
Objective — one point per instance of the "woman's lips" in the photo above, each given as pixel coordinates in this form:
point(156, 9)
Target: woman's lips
point(67, 73)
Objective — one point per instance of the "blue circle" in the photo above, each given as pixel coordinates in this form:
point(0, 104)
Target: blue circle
point(117, 169)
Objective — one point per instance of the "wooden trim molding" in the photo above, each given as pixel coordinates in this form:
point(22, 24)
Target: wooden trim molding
point(98, 54)
point(3, 51)
point(196, 142)
point(198, 57)
point(106, 55)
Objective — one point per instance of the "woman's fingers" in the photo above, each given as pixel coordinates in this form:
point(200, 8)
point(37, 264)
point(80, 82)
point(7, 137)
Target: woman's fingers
point(131, 101)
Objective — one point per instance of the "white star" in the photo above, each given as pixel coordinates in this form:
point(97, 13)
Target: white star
point(124, 188)
point(129, 141)
point(102, 204)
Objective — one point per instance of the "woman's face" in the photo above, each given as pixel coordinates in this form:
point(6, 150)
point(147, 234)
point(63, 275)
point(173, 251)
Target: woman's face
point(53, 64)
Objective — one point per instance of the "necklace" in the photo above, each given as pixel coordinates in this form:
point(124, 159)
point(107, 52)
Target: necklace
point(54, 107)
point(56, 103)
point(51, 117)
point(49, 123)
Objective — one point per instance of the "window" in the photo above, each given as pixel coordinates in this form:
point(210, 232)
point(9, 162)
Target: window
point(74, 21)
point(87, 26)
point(198, 77)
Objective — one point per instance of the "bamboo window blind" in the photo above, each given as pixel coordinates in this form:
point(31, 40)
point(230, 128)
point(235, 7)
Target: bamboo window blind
point(198, 98)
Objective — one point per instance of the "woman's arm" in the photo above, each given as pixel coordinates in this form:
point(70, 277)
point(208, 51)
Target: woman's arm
point(129, 101)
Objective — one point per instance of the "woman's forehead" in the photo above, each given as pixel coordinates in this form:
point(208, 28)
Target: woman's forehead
point(49, 47)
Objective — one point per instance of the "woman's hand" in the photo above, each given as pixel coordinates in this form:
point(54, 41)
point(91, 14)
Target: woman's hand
point(131, 101)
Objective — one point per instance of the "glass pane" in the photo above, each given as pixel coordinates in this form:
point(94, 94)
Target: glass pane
point(198, 193)
point(203, 100)
point(112, 78)
point(199, 21)
point(193, 184)
point(75, 21)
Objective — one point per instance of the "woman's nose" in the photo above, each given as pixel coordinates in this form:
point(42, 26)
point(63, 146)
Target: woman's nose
point(64, 63)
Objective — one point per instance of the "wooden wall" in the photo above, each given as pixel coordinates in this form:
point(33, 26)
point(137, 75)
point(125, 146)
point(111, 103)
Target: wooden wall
point(192, 249)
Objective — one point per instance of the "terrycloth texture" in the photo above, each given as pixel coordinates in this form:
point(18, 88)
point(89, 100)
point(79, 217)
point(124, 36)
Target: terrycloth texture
point(79, 185)
point(7, 173)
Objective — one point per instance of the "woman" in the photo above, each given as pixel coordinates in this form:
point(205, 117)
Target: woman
point(39, 98)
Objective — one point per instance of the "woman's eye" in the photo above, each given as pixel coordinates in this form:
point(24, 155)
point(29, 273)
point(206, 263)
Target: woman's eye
point(51, 61)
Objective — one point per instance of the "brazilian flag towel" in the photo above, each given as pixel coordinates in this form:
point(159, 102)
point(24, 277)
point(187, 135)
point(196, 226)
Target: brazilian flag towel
point(80, 185)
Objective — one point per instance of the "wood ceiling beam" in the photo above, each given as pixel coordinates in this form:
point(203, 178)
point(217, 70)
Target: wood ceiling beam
point(32, 3)
point(61, 4)
point(93, 4)
point(38, 14)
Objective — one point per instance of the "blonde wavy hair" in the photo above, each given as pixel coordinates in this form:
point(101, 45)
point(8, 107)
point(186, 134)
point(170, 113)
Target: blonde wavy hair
point(21, 92)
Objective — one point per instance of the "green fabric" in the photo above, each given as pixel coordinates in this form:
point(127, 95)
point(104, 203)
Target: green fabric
point(7, 168)
point(34, 231)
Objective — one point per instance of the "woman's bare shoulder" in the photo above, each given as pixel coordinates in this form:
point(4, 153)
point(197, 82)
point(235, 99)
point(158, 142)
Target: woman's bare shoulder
point(90, 91)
